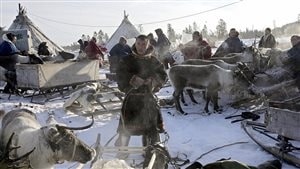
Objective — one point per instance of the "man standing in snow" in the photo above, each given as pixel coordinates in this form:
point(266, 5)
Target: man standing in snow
point(139, 76)
point(197, 48)
point(152, 41)
point(268, 40)
point(119, 51)
point(163, 46)
point(232, 44)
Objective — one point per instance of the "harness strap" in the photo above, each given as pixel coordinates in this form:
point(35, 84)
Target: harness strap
point(74, 150)
point(74, 147)
point(245, 77)
point(59, 140)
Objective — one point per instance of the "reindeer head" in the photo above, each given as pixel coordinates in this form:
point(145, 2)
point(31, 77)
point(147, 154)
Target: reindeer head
point(248, 56)
point(66, 145)
point(244, 78)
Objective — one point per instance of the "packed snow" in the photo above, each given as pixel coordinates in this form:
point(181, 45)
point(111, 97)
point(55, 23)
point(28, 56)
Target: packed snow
point(190, 136)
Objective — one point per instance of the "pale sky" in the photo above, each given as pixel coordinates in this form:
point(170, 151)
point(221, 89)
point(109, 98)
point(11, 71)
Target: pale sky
point(256, 14)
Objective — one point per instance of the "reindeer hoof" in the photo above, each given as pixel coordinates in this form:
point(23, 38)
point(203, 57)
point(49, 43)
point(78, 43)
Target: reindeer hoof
point(206, 112)
point(219, 110)
point(171, 113)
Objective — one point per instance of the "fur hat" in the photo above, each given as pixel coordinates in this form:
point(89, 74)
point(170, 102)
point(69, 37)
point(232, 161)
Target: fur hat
point(158, 31)
point(268, 29)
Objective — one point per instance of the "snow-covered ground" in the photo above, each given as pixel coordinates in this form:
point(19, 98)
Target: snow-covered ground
point(190, 135)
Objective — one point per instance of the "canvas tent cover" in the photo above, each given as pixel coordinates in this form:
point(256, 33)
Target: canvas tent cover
point(22, 21)
point(126, 29)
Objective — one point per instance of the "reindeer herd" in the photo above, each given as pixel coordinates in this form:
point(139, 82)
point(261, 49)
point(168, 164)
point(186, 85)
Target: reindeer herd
point(233, 73)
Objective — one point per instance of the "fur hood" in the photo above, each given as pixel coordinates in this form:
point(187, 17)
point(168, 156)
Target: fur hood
point(149, 52)
point(5, 38)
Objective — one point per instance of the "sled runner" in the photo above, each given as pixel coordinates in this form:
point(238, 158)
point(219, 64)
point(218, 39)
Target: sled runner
point(279, 134)
point(278, 145)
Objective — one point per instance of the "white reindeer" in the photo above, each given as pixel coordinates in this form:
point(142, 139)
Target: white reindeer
point(53, 143)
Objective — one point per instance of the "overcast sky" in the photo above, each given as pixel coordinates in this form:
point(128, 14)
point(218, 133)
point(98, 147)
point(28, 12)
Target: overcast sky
point(256, 14)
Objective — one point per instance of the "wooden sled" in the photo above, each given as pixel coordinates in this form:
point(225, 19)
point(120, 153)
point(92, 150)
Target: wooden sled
point(46, 79)
point(153, 162)
point(107, 100)
point(271, 143)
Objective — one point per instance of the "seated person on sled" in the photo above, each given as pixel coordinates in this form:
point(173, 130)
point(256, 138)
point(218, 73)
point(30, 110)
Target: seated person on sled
point(10, 56)
point(198, 48)
point(232, 44)
point(94, 52)
point(119, 51)
point(139, 76)
point(293, 59)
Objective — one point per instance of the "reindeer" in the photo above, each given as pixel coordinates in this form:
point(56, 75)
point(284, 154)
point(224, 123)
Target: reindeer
point(53, 143)
point(211, 78)
point(220, 63)
point(248, 55)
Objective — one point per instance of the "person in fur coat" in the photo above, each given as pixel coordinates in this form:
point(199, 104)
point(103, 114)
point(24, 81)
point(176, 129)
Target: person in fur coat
point(139, 76)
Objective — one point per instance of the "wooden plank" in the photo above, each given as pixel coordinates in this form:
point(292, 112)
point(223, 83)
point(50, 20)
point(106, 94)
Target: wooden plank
point(123, 149)
point(283, 122)
point(101, 112)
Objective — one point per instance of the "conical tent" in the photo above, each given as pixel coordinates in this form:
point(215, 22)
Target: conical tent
point(126, 29)
point(22, 22)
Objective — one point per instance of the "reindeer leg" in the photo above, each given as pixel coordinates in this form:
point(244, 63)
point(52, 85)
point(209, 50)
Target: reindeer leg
point(182, 98)
point(177, 103)
point(203, 94)
point(190, 93)
point(208, 97)
point(217, 109)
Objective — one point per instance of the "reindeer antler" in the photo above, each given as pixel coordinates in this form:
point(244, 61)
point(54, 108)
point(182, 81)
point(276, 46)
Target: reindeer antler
point(6, 161)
